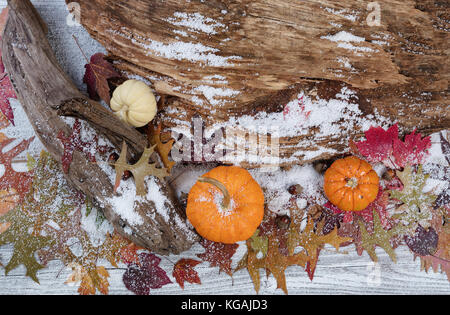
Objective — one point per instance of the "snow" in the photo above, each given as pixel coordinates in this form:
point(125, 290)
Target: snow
point(329, 118)
point(180, 50)
point(196, 22)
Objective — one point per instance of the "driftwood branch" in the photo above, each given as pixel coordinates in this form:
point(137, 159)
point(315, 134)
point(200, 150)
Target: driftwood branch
point(269, 50)
point(101, 119)
point(42, 87)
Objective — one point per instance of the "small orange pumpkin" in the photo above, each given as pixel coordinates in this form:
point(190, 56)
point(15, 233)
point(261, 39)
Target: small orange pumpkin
point(351, 184)
point(226, 205)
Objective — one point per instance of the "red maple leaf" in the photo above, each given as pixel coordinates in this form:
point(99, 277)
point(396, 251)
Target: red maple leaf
point(218, 255)
point(412, 151)
point(378, 146)
point(379, 205)
point(183, 271)
point(20, 181)
point(74, 143)
point(145, 276)
point(98, 71)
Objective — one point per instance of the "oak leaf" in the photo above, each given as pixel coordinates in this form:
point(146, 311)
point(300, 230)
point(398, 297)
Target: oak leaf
point(163, 149)
point(418, 203)
point(140, 170)
point(26, 243)
point(98, 71)
point(19, 181)
point(183, 271)
point(380, 237)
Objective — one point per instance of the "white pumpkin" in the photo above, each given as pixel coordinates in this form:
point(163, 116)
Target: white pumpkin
point(134, 103)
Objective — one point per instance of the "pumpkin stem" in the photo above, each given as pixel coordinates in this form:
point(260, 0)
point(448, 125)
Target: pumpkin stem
point(226, 195)
point(352, 182)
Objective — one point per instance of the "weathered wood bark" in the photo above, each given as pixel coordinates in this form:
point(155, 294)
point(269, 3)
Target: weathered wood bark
point(263, 52)
point(45, 90)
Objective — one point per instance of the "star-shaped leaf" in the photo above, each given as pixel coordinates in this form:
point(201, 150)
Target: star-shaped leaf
point(140, 170)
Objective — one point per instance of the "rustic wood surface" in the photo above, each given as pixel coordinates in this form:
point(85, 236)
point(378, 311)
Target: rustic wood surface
point(335, 274)
point(275, 48)
point(42, 87)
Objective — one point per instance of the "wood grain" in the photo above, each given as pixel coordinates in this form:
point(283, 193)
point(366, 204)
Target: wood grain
point(42, 86)
point(398, 69)
point(335, 274)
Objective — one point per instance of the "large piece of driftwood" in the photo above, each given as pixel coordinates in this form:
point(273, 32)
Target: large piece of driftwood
point(45, 91)
point(275, 48)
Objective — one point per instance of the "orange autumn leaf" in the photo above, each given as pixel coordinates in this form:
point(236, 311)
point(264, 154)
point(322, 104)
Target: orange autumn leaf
point(156, 138)
point(183, 271)
point(8, 200)
point(90, 280)
point(129, 254)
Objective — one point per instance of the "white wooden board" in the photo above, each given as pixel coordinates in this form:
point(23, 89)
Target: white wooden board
point(335, 273)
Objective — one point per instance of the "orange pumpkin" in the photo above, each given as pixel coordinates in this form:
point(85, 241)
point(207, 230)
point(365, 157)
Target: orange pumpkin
point(226, 205)
point(351, 184)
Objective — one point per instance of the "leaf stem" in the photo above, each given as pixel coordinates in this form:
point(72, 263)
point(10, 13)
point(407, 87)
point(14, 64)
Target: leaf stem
point(226, 195)
point(78, 44)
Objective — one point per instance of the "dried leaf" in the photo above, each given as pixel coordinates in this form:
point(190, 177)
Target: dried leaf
point(145, 276)
point(183, 271)
point(98, 71)
point(412, 151)
point(440, 261)
point(311, 241)
point(129, 254)
point(378, 146)
point(90, 280)
point(418, 203)
point(276, 263)
point(140, 170)
point(163, 149)
point(21, 234)
point(19, 181)
point(218, 255)
point(423, 242)
point(380, 237)
point(6, 88)
point(74, 143)
point(259, 243)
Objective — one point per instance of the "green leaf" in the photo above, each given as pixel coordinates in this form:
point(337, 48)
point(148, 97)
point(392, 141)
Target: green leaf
point(259, 243)
point(25, 242)
point(380, 237)
point(418, 203)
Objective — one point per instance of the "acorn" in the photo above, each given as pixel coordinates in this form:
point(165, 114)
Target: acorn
point(295, 190)
point(283, 222)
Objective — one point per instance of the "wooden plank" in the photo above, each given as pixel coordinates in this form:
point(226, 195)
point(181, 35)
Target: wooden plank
point(335, 274)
